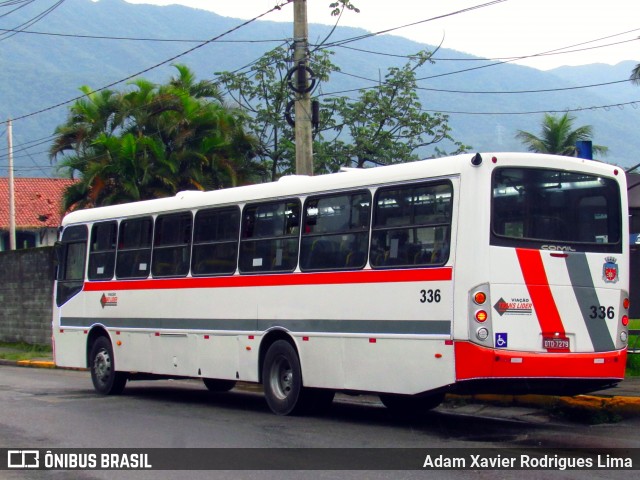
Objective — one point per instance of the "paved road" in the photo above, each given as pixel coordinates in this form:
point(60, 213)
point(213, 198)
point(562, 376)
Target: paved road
point(59, 409)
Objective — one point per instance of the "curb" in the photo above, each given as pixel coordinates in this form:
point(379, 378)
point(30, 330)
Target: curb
point(580, 404)
point(35, 363)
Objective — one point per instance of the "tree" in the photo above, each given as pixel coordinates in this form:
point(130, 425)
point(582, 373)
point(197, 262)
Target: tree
point(152, 141)
point(264, 93)
point(635, 75)
point(385, 124)
point(558, 136)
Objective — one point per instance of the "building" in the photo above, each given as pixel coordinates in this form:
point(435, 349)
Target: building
point(38, 210)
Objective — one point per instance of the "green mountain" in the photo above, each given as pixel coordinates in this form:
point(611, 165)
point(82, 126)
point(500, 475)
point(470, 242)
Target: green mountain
point(44, 68)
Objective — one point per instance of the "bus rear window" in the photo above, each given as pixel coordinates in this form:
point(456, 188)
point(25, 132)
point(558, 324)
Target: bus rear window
point(532, 206)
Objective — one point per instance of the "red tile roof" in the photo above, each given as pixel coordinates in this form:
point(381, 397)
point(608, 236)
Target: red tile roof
point(38, 202)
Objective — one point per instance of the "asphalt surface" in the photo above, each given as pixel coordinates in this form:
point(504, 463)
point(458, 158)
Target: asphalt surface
point(622, 400)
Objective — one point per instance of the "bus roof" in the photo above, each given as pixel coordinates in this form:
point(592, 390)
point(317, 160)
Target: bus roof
point(308, 185)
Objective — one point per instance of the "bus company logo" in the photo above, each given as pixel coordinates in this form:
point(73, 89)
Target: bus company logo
point(610, 270)
point(516, 306)
point(109, 300)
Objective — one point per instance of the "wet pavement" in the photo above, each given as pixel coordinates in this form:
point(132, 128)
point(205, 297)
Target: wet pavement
point(622, 400)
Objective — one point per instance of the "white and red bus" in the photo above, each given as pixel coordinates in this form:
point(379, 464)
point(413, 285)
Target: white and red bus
point(503, 272)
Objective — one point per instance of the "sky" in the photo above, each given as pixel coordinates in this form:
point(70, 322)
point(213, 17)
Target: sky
point(507, 28)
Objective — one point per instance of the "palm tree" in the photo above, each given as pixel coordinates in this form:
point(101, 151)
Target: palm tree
point(558, 136)
point(152, 141)
point(635, 75)
point(92, 115)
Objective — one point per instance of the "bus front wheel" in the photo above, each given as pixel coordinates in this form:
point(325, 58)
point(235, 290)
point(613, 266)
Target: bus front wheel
point(103, 374)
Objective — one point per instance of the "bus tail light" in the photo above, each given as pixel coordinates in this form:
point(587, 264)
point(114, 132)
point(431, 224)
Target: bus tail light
point(479, 298)
point(479, 308)
point(623, 334)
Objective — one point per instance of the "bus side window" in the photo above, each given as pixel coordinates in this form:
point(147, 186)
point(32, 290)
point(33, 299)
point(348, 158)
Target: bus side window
point(134, 248)
point(172, 245)
point(215, 241)
point(336, 232)
point(411, 225)
point(102, 252)
point(270, 237)
point(72, 255)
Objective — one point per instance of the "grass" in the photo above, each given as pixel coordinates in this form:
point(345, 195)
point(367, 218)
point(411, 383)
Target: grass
point(633, 359)
point(23, 351)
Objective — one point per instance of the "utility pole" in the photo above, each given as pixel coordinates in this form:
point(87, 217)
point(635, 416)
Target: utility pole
point(303, 114)
point(12, 195)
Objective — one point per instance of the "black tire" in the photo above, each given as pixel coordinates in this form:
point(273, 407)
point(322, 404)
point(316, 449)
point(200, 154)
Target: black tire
point(106, 380)
point(408, 405)
point(218, 386)
point(320, 400)
point(282, 380)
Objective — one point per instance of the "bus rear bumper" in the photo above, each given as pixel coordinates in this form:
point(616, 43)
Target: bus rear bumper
point(485, 370)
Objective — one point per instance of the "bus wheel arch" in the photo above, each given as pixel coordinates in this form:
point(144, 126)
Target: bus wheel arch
point(95, 332)
point(269, 339)
point(101, 362)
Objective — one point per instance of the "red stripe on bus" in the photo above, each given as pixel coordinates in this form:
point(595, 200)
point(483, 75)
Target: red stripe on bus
point(277, 280)
point(540, 292)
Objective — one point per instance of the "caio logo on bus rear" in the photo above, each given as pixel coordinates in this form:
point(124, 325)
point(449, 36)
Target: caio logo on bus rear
point(558, 248)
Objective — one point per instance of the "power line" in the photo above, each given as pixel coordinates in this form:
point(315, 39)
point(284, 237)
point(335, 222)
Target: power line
point(175, 57)
point(438, 17)
point(479, 59)
point(494, 92)
point(135, 39)
point(21, 3)
point(634, 103)
point(31, 21)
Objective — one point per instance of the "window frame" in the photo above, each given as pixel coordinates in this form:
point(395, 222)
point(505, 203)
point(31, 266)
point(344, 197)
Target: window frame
point(168, 247)
point(441, 225)
point(198, 244)
point(108, 253)
point(276, 242)
point(318, 252)
point(141, 249)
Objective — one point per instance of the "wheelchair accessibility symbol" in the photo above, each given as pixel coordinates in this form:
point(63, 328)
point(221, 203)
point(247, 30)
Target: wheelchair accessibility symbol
point(501, 340)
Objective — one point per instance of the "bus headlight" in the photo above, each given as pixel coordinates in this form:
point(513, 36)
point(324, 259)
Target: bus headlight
point(623, 337)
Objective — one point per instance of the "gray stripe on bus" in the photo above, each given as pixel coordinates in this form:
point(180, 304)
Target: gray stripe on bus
point(401, 327)
point(585, 292)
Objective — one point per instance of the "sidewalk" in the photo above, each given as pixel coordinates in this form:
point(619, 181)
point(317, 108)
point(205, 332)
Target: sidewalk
point(622, 400)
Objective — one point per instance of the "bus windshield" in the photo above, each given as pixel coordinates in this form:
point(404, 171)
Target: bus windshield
point(532, 206)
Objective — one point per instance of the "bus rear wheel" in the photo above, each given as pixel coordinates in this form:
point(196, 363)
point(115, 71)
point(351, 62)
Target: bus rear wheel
point(103, 374)
point(282, 379)
point(408, 405)
point(215, 385)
